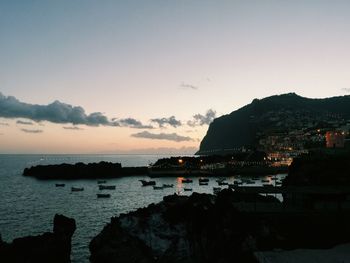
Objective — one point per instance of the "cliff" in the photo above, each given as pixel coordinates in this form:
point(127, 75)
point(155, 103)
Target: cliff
point(272, 114)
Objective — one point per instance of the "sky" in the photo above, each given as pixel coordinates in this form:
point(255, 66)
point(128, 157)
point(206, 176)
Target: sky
point(149, 76)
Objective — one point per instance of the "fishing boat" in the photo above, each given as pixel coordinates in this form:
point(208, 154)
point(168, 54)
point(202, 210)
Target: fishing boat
point(187, 189)
point(101, 181)
point(106, 187)
point(147, 183)
point(203, 180)
point(77, 189)
point(158, 187)
point(103, 195)
point(186, 180)
point(60, 185)
point(168, 185)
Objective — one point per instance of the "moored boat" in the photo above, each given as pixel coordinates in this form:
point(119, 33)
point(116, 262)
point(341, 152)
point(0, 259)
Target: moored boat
point(168, 185)
point(203, 183)
point(103, 195)
point(146, 183)
point(77, 189)
point(158, 187)
point(60, 185)
point(106, 187)
point(101, 181)
point(187, 189)
point(186, 180)
point(203, 180)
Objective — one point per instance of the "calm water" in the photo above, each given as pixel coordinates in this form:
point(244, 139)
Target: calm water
point(27, 205)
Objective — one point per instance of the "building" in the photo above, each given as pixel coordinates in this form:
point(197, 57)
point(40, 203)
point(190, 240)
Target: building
point(335, 139)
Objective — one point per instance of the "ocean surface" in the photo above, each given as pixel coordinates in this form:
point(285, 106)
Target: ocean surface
point(28, 205)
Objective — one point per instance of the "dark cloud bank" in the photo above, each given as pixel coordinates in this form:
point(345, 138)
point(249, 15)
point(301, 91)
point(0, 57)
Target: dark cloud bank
point(162, 136)
point(24, 122)
point(31, 131)
point(58, 112)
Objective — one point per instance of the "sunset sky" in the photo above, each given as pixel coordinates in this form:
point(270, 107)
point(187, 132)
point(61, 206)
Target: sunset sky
point(149, 76)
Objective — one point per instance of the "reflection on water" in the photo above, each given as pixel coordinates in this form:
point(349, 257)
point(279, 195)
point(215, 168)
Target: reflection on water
point(28, 205)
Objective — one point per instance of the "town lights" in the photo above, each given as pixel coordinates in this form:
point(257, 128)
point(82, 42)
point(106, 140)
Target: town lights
point(180, 161)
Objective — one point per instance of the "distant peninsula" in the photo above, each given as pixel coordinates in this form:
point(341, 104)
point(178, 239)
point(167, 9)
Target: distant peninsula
point(279, 114)
point(83, 171)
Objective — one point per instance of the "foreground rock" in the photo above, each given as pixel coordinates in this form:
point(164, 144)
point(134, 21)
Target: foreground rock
point(321, 168)
point(205, 228)
point(83, 171)
point(52, 247)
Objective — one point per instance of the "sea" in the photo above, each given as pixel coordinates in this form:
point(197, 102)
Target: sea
point(28, 205)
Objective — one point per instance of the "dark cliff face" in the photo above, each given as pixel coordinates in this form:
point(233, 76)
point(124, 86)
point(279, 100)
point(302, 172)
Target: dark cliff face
point(240, 127)
point(52, 247)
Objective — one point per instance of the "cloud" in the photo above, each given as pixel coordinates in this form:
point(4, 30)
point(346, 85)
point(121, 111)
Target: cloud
point(133, 123)
point(346, 89)
point(31, 131)
point(188, 86)
point(162, 136)
point(200, 120)
point(161, 150)
point(75, 128)
point(171, 121)
point(4, 124)
point(56, 112)
point(24, 122)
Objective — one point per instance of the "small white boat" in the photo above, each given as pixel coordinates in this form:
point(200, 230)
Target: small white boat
point(203, 180)
point(106, 187)
point(147, 183)
point(103, 195)
point(186, 180)
point(101, 181)
point(168, 185)
point(77, 189)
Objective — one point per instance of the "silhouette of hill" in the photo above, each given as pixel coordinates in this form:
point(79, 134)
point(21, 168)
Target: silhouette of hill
point(272, 114)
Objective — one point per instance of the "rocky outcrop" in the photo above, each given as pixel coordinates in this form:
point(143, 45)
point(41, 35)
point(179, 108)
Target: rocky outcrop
point(199, 228)
point(204, 228)
point(321, 168)
point(82, 171)
point(52, 247)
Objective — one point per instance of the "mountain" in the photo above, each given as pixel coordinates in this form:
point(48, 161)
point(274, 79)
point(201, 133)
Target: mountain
point(279, 113)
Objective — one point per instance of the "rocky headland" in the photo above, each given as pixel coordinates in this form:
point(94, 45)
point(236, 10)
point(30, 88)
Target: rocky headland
point(83, 171)
point(53, 247)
